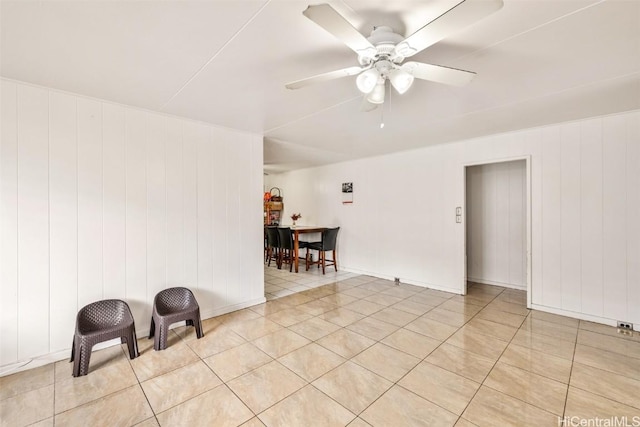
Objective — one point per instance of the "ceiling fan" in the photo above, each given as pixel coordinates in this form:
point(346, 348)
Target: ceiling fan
point(382, 54)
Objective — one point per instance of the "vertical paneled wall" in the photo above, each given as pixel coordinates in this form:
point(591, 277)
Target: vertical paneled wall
point(585, 212)
point(496, 224)
point(104, 201)
point(590, 211)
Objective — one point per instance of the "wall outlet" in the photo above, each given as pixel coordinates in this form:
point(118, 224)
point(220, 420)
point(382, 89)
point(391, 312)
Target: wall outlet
point(625, 325)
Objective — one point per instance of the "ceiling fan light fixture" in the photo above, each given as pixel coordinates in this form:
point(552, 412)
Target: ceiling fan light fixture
point(401, 80)
point(377, 94)
point(367, 80)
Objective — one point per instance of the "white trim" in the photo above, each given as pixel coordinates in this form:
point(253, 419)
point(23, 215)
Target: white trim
point(229, 308)
point(405, 281)
point(35, 362)
point(575, 315)
point(527, 159)
point(492, 283)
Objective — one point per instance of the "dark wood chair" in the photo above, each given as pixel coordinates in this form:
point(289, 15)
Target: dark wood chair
point(285, 247)
point(273, 242)
point(327, 244)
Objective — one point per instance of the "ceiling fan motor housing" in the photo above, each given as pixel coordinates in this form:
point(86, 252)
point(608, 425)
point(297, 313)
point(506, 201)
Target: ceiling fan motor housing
point(384, 35)
point(385, 40)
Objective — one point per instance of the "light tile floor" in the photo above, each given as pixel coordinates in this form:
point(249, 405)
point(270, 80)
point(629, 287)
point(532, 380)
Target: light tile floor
point(342, 349)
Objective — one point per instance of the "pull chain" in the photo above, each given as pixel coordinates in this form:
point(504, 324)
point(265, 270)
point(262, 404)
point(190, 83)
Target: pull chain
point(389, 101)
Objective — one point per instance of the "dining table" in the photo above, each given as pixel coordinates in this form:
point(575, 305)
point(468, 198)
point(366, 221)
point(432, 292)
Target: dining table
point(297, 230)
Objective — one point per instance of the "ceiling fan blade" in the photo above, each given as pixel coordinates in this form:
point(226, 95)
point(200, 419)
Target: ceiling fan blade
point(465, 13)
point(438, 73)
point(345, 72)
point(328, 18)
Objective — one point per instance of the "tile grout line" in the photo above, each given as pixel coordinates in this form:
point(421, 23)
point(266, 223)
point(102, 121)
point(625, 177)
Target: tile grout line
point(318, 296)
point(346, 360)
point(492, 368)
point(435, 349)
point(566, 397)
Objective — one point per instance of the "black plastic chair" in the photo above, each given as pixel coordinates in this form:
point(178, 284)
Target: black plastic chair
point(170, 306)
point(327, 244)
point(272, 245)
point(98, 322)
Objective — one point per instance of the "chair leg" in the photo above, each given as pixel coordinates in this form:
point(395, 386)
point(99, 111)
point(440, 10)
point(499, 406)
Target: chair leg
point(76, 365)
point(324, 259)
point(160, 341)
point(81, 362)
point(273, 254)
point(291, 260)
point(152, 328)
point(335, 263)
point(131, 345)
point(134, 339)
point(198, 325)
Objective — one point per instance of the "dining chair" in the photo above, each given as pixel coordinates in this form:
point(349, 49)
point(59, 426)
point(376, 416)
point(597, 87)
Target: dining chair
point(285, 247)
point(326, 244)
point(273, 242)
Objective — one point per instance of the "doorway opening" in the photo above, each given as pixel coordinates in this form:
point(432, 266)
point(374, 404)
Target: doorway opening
point(497, 224)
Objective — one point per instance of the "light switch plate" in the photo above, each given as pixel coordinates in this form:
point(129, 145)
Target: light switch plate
point(458, 218)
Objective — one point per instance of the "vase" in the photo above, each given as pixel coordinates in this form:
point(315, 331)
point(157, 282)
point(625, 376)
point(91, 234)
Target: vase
point(294, 222)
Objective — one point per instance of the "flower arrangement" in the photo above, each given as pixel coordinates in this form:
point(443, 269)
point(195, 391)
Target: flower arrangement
point(296, 216)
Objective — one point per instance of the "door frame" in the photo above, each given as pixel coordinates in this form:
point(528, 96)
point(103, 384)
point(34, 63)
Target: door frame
point(527, 159)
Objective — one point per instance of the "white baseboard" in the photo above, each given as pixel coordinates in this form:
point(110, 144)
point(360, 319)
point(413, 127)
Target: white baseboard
point(575, 314)
point(207, 314)
point(406, 281)
point(140, 333)
point(491, 282)
point(35, 362)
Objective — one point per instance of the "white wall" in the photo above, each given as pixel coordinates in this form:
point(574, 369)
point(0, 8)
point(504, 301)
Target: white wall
point(496, 224)
point(105, 201)
point(585, 183)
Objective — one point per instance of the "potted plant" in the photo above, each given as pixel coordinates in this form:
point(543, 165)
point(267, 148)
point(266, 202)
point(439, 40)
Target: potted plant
point(295, 217)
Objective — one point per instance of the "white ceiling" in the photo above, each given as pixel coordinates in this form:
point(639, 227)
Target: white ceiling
point(225, 62)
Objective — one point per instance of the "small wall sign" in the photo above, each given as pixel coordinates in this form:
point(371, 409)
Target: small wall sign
point(347, 193)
